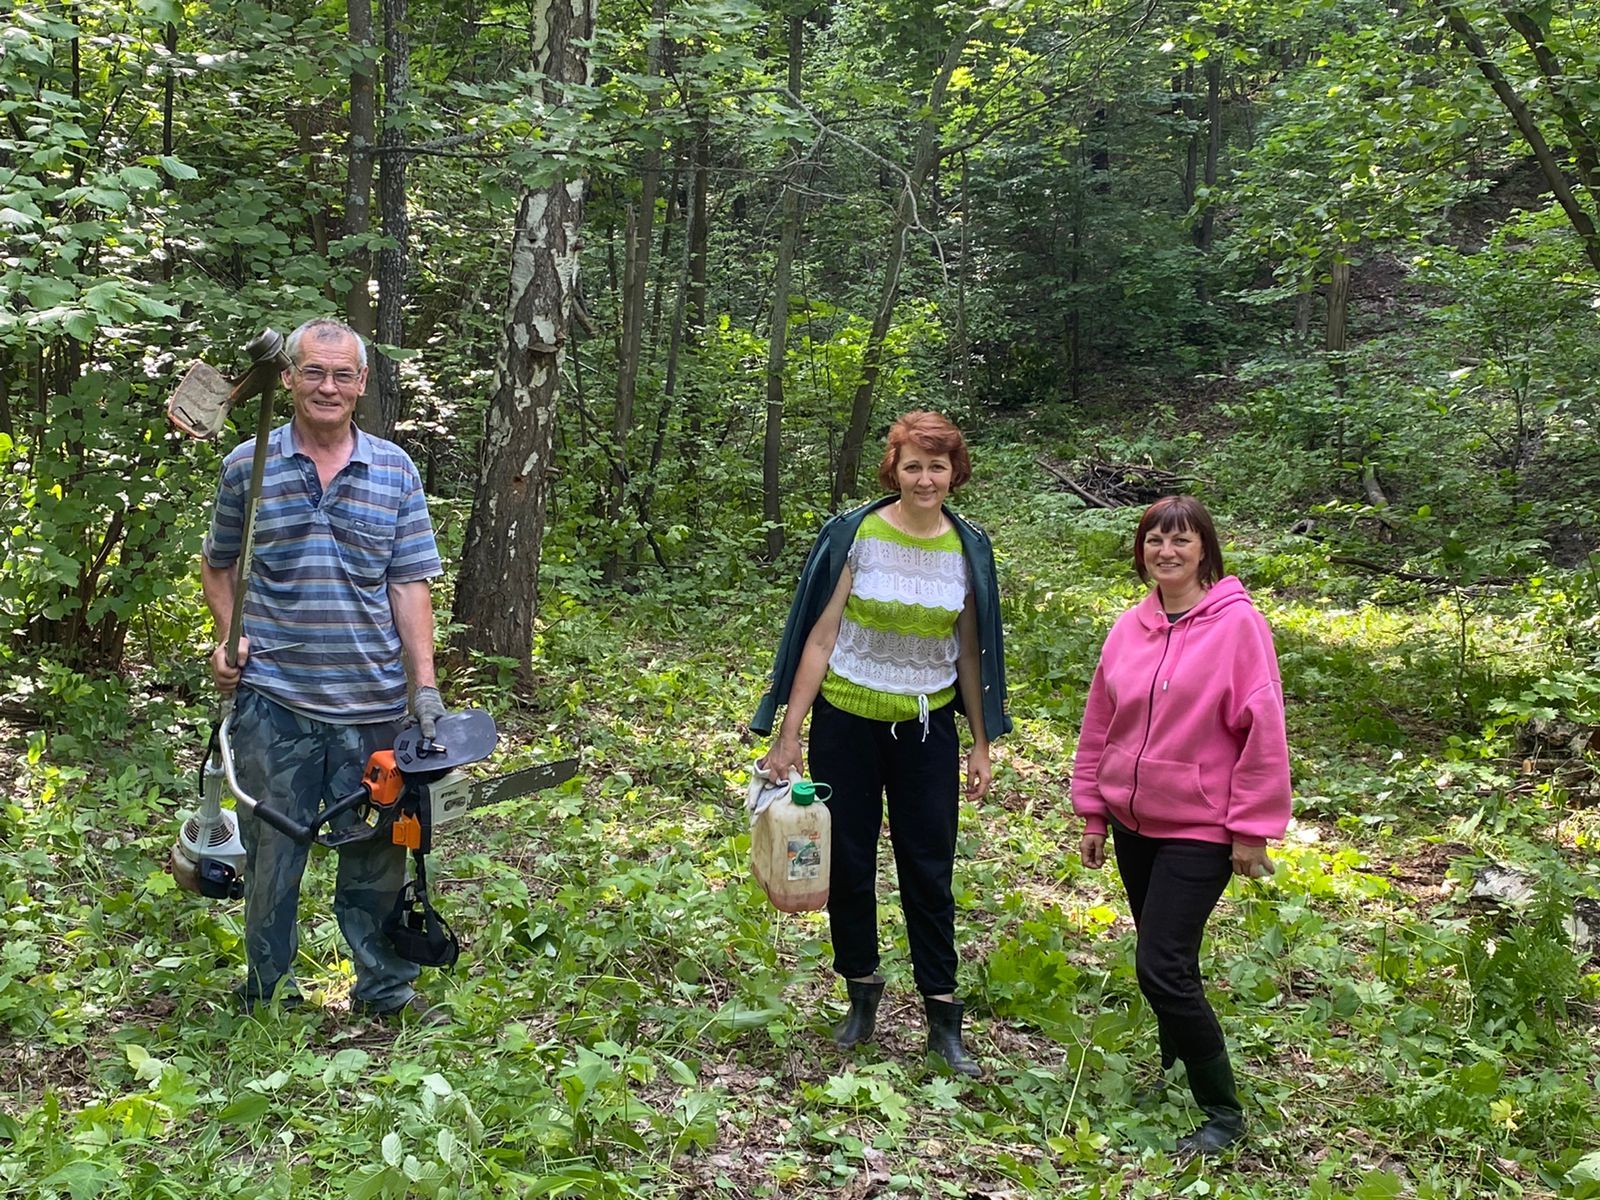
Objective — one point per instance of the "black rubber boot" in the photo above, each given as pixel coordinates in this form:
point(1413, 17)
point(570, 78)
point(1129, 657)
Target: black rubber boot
point(863, 1015)
point(1212, 1086)
point(944, 1035)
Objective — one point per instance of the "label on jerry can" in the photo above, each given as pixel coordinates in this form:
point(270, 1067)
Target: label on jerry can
point(805, 857)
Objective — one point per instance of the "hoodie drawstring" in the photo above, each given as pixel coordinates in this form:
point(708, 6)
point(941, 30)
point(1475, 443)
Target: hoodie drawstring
point(923, 718)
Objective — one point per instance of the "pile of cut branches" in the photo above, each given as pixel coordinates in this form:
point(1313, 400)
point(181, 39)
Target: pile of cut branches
point(1115, 485)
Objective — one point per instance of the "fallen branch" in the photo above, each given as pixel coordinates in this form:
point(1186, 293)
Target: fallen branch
point(1115, 485)
point(1066, 480)
point(1444, 581)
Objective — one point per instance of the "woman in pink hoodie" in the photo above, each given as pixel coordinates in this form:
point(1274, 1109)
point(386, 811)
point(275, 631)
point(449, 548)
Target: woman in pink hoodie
point(1184, 758)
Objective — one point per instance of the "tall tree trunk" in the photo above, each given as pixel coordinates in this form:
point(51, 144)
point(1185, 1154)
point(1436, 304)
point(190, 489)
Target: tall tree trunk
point(669, 393)
point(1520, 113)
point(394, 266)
point(169, 85)
point(1338, 304)
point(304, 123)
point(778, 334)
point(358, 196)
point(960, 352)
point(923, 161)
point(635, 292)
point(697, 237)
point(169, 97)
point(7, 424)
point(664, 268)
point(1204, 235)
point(1074, 338)
point(1583, 137)
point(1191, 149)
point(1205, 232)
point(497, 592)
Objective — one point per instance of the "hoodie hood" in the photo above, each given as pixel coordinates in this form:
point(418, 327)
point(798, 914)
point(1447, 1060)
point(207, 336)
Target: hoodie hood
point(1219, 597)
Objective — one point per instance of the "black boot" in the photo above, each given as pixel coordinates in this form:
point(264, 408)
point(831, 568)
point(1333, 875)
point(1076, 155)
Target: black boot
point(863, 1015)
point(944, 1035)
point(1212, 1085)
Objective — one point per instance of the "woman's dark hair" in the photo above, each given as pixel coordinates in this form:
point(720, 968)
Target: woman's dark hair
point(1180, 512)
point(932, 434)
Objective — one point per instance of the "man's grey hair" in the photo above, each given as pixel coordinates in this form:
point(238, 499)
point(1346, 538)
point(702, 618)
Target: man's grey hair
point(321, 328)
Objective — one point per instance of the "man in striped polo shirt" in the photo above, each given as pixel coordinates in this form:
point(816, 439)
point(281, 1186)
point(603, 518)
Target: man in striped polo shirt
point(336, 615)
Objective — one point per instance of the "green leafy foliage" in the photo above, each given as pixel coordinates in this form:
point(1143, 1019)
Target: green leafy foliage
point(631, 1018)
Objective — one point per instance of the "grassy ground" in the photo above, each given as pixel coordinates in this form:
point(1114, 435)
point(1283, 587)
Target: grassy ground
point(632, 1019)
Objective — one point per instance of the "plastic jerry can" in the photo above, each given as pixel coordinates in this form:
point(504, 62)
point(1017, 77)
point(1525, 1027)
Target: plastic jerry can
point(790, 845)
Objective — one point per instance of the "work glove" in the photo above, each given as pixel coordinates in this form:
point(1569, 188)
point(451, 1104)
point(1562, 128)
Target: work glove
point(427, 708)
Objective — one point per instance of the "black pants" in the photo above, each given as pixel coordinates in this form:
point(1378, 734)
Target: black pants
point(862, 760)
point(1173, 884)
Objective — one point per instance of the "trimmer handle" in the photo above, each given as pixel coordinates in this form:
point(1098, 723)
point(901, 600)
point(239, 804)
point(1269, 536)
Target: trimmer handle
point(284, 824)
point(381, 785)
point(306, 834)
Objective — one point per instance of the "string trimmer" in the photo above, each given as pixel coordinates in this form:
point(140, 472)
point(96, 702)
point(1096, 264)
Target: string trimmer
point(208, 856)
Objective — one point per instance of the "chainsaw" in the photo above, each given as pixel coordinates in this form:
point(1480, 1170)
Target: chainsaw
point(405, 793)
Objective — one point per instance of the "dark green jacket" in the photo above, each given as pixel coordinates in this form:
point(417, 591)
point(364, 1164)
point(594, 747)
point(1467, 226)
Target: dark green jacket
point(820, 576)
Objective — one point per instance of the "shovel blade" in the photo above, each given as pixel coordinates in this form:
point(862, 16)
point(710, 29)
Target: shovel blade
point(199, 406)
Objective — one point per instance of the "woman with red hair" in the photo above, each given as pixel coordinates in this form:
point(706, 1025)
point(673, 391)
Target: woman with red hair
point(895, 627)
point(1183, 756)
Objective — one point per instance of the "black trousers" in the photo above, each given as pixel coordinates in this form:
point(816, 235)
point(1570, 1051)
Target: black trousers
point(1173, 884)
point(863, 760)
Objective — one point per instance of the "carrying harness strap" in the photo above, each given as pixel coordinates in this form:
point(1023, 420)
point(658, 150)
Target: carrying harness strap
point(416, 929)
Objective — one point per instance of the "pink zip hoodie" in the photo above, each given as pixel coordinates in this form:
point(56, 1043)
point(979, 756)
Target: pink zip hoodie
point(1183, 734)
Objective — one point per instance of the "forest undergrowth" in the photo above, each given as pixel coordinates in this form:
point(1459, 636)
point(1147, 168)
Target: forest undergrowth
point(631, 1018)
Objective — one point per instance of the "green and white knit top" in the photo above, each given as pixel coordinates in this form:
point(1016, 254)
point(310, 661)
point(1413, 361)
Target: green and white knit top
point(895, 656)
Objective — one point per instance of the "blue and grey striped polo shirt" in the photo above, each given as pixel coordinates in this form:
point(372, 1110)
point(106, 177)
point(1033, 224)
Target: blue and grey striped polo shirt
point(322, 635)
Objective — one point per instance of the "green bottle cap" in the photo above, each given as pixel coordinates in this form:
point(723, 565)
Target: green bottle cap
point(803, 791)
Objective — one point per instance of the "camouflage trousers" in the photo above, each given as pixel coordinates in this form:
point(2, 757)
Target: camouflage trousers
point(293, 763)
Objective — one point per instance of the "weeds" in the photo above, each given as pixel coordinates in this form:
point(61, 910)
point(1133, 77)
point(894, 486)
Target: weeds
point(631, 1019)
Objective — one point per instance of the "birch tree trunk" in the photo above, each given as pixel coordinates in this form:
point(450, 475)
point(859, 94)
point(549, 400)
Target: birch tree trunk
point(497, 592)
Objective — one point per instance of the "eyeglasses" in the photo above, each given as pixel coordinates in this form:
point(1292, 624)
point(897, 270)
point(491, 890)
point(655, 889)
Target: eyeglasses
point(315, 376)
